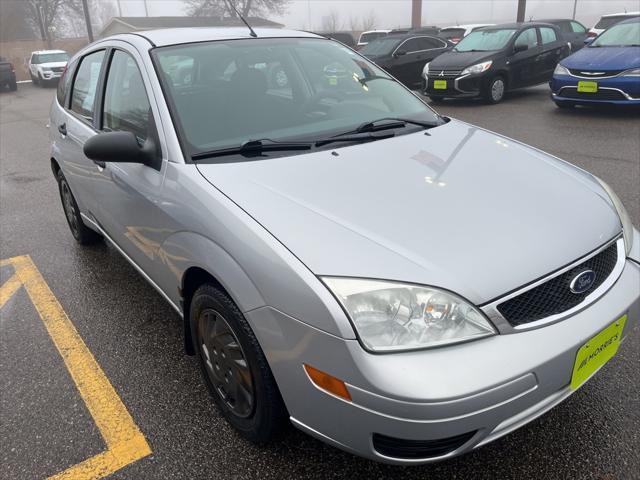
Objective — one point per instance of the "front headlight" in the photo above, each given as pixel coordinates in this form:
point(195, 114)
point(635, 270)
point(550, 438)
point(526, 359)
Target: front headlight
point(560, 70)
point(390, 316)
point(632, 73)
point(425, 70)
point(625, 219)
point(479, 68)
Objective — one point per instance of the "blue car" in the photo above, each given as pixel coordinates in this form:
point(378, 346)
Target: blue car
point(606, 72)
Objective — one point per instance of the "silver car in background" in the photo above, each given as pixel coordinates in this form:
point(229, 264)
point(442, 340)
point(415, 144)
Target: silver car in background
point(399, 284)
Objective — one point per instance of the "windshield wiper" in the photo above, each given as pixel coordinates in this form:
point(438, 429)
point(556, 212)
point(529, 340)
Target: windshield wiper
point(253, 148)
point(388, 123)
point(355, 137)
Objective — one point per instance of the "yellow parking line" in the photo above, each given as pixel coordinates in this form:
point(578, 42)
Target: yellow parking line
point(8, 288)
point(125, 442)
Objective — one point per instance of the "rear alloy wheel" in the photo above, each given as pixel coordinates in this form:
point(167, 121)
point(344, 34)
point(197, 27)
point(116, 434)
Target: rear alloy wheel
point(234, 367)
point(495, 90)
point(83, 234)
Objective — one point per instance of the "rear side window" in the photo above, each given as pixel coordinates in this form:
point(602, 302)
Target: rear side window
point(64, 83)
point(528, 38)
point(577, 28)
point(83, 94)
point(126, 105)
point(548, 35)
point(428, 43)
point(412, 45)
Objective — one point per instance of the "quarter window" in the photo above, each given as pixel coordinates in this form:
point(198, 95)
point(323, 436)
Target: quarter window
point(528, 38)
point(548, 35)
point(64, 83)
point(126, 105)
point(577, 28)
point(85, 84)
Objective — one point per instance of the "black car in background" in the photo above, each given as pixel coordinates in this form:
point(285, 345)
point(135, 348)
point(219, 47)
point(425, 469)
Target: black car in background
point(7, 75)
point(489, 62)
point(572, 31)
point(404, 56)
point(343, 37)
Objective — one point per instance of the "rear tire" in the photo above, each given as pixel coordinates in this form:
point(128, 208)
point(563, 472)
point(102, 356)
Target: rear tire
point(234, 367)
point(83, 234)
point(495, 90)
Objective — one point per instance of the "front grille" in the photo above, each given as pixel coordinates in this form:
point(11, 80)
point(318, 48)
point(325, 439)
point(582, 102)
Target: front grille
point(399, 448)
point(554, 296)
point(435, 74)
point(595, 73)
point(57, 69)
point(601, 94)
point(441, 91)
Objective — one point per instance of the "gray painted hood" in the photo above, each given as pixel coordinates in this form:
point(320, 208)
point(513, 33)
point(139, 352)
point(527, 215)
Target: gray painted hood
point(461, 208)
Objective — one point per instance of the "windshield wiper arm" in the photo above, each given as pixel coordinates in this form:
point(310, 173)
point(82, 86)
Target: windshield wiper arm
point(355, 137)
point(254, 147)
point(388, 123)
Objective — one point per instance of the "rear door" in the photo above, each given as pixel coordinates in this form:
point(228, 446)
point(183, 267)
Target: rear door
point(552, 46)
point(578, 35)
point(405, 59)
point(524, 64)
point(76, 125)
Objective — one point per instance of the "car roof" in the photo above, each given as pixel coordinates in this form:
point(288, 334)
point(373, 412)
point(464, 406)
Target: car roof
point(622, 14)
point(376, 31)
point(175, 36)
point(469, 25)
point(630, 20)
point(518, 25)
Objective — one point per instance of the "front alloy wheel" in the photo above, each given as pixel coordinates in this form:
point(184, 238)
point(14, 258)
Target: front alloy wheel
point(496, 90)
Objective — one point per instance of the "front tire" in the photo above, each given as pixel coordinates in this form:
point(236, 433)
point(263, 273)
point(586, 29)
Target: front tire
point(234, 367)
point(83, 234)
point(496, 88)
point(13, 86)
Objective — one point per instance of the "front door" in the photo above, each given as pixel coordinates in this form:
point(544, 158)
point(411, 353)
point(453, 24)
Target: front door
point(127, 194)
point(552, 48)
point(524, 67)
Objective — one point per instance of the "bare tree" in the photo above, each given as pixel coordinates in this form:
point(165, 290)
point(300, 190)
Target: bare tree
point(14, 24)
point(102, 11)
point(331, 22)
point(369, 21)
point(354, 23)
point(221, 8)
point(43, 15)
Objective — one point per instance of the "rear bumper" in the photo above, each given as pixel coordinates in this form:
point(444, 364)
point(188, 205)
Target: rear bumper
point(471, 393)
point(616, 90)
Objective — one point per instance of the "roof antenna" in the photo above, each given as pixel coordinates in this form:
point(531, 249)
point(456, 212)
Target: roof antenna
point(253, 34)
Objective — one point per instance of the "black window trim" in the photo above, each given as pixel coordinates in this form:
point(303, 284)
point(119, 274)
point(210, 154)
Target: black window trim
point(67, 107)
point(444, 44)
point(536, 30)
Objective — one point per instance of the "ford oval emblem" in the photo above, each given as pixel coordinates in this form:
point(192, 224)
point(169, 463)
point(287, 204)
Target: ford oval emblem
point(583, 281)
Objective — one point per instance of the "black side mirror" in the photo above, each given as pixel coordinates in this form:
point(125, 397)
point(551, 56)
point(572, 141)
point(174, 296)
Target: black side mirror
point(520, 48)
point(400, 53)
point(121, 147)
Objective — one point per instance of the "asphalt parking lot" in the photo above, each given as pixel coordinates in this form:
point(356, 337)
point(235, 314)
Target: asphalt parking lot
point(95, 381)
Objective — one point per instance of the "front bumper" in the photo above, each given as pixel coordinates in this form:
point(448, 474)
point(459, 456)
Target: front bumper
point(51, 75)
point(458, 86)
point(617, 90)
point(475, 392)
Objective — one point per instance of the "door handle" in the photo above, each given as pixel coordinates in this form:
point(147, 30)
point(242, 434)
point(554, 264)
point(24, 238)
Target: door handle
point(62, 128)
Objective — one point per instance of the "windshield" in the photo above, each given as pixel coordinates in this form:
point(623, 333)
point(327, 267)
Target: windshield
point(371, 36)
point(621, 35)
point(226, 93)
point(606, 22)
point(381, 46)
point(485, 40)
point(50, 57)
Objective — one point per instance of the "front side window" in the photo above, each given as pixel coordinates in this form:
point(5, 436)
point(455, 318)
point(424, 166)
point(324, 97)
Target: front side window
point(83, 94)
point(548, 35)
point(528, 38)
point(621, 35)
point(283, 90)
point(126, 105)
point(485, 40)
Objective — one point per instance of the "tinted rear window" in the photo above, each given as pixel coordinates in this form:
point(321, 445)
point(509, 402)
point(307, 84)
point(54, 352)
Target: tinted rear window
point(606, 22)
point(452, 33)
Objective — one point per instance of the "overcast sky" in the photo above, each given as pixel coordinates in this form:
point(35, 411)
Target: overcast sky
point(308, 14)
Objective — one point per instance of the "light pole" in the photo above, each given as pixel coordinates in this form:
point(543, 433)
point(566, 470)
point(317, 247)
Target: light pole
point(87, 20)
point(522, 7)
point(146, 9)
point(575, 6)
point(416, 13)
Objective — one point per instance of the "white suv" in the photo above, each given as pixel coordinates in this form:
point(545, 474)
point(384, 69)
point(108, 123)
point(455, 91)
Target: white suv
point(47, 65)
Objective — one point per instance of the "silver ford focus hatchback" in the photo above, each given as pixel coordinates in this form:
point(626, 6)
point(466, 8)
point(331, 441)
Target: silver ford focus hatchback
point(398, 284)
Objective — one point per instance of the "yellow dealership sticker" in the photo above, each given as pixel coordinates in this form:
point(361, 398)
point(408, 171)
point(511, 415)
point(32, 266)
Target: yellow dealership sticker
point(596, 352)
point(124, 441)
point(587, 87)
point(440, 84)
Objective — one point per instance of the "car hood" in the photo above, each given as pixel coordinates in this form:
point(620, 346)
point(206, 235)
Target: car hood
point(52, 64)
point(460, 208)
point(606, 58)
point(459, 60)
